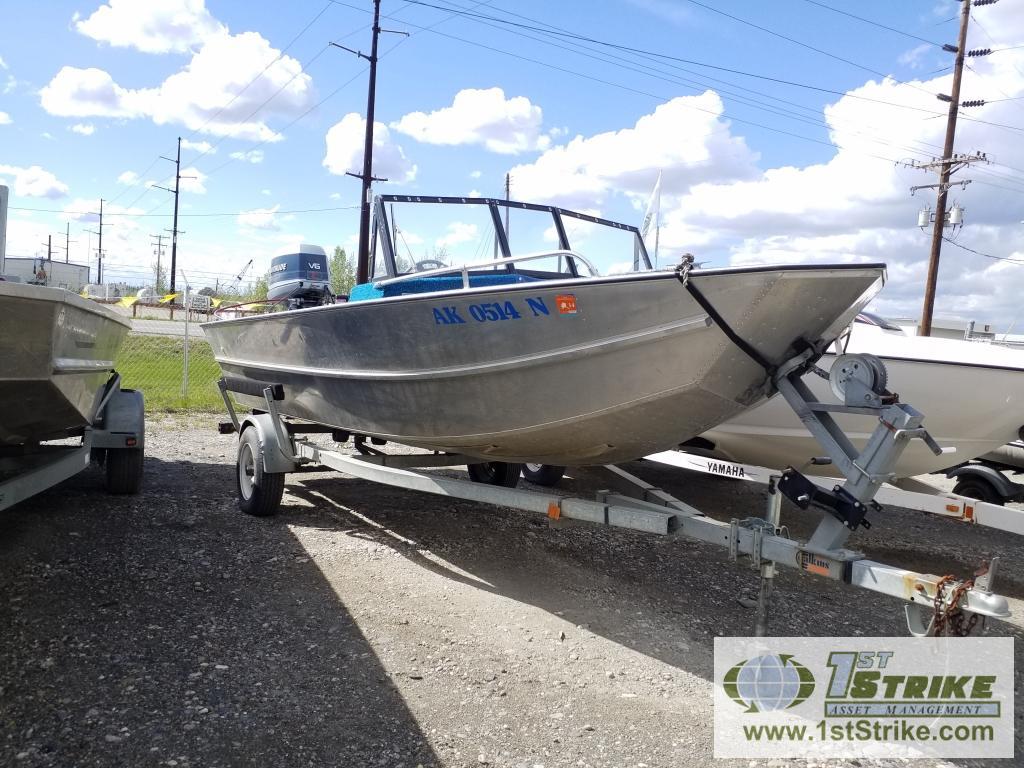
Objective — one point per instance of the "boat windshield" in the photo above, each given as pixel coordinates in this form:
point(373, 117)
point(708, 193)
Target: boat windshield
point(417, 234)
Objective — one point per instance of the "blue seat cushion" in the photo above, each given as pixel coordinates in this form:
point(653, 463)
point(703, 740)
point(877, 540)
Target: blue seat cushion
point(434, 283)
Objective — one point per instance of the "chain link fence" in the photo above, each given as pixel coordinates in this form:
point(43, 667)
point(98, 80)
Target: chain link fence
point(174, 372)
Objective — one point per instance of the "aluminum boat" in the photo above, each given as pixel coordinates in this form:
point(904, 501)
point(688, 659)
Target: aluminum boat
point(57, 352)
point(534, 356)
point(971, 392)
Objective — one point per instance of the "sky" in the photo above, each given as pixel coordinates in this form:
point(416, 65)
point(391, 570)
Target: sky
point(784, 132)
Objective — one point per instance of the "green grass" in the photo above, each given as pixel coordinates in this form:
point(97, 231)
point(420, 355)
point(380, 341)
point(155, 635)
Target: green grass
point(153, 365)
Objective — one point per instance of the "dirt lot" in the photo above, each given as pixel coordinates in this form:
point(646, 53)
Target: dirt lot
point(365, 626)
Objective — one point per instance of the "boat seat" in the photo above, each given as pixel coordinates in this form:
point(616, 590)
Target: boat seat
point(430, 284)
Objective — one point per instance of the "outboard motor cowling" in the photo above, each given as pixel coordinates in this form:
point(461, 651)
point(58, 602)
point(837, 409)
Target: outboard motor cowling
point(300, 278)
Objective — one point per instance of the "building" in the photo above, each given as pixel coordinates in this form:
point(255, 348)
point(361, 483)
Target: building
point(42, 271)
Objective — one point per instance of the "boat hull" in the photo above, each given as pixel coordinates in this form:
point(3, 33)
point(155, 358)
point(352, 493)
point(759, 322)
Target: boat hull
point(572, 372)
point(972, 397)
point(57, 351)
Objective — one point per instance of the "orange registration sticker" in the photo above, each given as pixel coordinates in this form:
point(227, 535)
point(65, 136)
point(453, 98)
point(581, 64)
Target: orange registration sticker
point(566, 304)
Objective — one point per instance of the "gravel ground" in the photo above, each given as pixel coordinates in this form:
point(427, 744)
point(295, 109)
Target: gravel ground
point(366, 626)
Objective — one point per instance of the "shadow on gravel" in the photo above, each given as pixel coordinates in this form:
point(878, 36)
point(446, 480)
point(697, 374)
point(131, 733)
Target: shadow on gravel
point(913, 540)
point(169, 626)
point(648, 593)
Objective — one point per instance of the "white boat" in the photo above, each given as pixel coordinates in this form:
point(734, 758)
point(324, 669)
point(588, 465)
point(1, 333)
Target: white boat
point(507, 362)
point(972, 394)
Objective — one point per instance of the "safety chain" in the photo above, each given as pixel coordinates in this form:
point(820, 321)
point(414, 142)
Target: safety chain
point(948, 618)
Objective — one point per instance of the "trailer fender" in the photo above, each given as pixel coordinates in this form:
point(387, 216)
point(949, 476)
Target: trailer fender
point(1006, 488)
point(122, 424)
point(274, 457)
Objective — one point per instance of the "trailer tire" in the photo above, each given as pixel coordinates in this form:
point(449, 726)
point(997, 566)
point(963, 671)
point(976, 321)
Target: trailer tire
point(976, 488)
point(259, 491)
point(124, 470)
point(543, 474)
point(496, 473)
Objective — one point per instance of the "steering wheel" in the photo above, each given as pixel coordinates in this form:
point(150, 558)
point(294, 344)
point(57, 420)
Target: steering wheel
point(425, 264)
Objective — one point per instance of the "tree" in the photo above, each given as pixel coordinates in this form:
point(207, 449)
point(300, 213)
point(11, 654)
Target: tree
point(259, 290)
point(159, 277)
point(343, 276)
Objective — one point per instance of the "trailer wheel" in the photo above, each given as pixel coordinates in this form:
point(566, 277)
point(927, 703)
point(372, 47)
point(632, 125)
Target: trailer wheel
point(124, 470)
point(543, 474)
point(976, 488)
point(496, 473)
point(259, 492)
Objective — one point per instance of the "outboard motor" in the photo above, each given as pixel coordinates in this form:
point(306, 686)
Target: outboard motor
point(300, 279)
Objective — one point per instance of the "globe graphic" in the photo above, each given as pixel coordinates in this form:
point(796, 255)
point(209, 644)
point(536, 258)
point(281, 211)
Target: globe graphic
point(769, 683)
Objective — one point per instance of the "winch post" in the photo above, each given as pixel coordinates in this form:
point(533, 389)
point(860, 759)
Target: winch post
point(864, 470)
point(773, 514)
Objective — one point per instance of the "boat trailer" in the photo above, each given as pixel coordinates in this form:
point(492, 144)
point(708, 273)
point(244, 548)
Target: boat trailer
point(270, 446)
point(115, 438)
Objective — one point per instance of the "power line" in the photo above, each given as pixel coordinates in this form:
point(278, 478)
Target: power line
point(561, 32)
point(873, 23)
point(280, 55)
point(555, 31)
point(183, 215)
point(619, 86)
point(980, 253)
point(789, 39)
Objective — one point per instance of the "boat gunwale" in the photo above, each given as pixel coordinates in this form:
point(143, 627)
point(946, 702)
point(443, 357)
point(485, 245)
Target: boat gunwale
point(558, 283)
point(56, 295)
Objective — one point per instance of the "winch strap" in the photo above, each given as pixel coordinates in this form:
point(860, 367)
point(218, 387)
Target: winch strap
point(734, 337)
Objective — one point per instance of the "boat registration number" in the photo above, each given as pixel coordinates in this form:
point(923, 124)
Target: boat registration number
point(489, 312)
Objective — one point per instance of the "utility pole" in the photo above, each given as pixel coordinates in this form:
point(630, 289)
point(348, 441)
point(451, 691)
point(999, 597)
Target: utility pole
point(363, 257)
point(99, 249)
point(159, 252)
point(174, 231)
point(67, 243)
point(947, 164)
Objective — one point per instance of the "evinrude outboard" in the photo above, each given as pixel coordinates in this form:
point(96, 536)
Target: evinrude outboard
point(300, 279)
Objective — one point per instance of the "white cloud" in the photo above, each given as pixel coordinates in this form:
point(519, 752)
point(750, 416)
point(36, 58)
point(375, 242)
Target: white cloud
point(3, 64)
point(480, 116)
point(856, 207)
point(5, 119)
point(85, 129)
point(254, 156)
point(32, 182)
point(686, 139)
point(193, 180)
point(913, 57)
point(204, 147)
point(475, 174)
point(264, 191)
point(195, 96)
point(260, 218)
point(335, 195)
point(128, 178)
point(344, 151)
point(458, 232)
point(152, 27)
